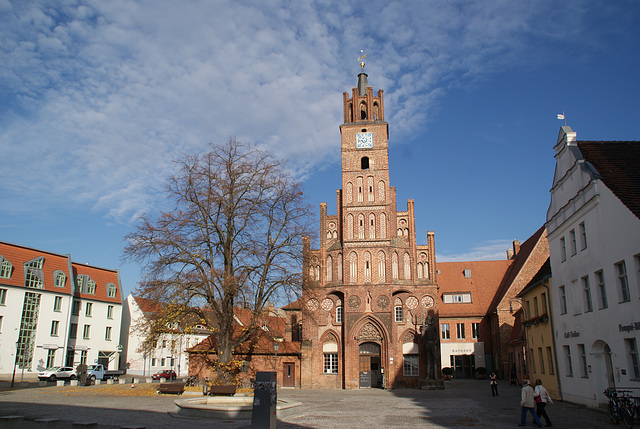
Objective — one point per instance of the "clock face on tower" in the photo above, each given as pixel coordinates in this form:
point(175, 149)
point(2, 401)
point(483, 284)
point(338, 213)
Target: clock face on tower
point(364, 140)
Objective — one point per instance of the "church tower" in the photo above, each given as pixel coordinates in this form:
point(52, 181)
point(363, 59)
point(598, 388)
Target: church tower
point(369, 291)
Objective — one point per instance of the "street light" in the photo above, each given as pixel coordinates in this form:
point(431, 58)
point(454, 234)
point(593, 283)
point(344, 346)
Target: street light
point(276, 346)
point(15, 363)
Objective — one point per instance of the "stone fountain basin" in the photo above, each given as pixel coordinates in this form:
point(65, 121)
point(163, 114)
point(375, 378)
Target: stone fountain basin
point(228, 407)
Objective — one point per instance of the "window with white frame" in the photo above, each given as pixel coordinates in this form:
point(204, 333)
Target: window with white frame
point(456, 298)
point(154, 362)
point(475, 330)
point(1, 320)
point(51, 356)
point(55, 326)
point(110, 312)
point(634, 363)
point(57, 304)
point(91, 286)
point(445, 332)
point(59, 278)
point(583, 361)
point(5, 268)
point(623, 282)
point(3, 296)
point(330, 363)
point(567, 360)
point(460, 330)
point(588, 305)
point(33, 277)
point(583, 236)
point(86, 332)
point(602, 290)
point(88, 309)
point(83, 357)
point(563, 300)
point(563, 250)
point(111, 290)
point(399, 313)
point(572, 242)
point(107, 333)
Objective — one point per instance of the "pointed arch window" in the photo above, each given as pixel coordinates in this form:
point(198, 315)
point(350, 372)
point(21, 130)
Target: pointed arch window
point(370, 191)
point(363, 110)
point(367, 267)
point(419, 270)
point(33, 276)
point(382, 267)
point(361, 226)
point(329, 269)
point(407, 267)
point(353, 268)
point(349, 192)
point(349, 226)
point(381, 192)
point(339, 267)
point(394, 266)
point(6, 268)
point(372, 226)
point(383, 225)
point(359, 184)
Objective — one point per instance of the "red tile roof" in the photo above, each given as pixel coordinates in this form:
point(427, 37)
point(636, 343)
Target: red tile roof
point(102, 277)
point(485, 279)
point(519, 261)
point(618, 164)
point(262, 343)
point(18, 255)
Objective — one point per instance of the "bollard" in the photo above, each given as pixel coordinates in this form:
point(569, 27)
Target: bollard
point(60, 383)
point(73, 383)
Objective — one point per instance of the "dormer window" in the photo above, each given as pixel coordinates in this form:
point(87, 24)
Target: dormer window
point(33, 277)
point(5, 268)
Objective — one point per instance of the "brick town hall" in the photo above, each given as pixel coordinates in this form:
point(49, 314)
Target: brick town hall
point(369, 313)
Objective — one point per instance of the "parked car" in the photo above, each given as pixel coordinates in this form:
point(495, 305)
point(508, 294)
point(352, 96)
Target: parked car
point(167, 374)
point(58, 373)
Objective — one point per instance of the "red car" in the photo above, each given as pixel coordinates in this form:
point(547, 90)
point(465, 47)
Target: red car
point(167, 374)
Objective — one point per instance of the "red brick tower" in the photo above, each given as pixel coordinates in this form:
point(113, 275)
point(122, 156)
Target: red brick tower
point(369, 288)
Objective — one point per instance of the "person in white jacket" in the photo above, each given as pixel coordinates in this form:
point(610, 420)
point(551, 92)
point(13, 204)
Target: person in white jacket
point(527, 403)
point(542, 398)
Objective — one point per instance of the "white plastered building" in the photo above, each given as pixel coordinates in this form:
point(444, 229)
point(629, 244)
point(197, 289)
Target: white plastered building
point(593, 226)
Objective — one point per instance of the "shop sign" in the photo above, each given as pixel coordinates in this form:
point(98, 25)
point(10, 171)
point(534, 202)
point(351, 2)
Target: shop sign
point(571, 334)
point(635, 326)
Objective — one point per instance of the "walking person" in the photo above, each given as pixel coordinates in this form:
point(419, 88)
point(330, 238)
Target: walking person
point(493, 380)
point(542, 398)
point(528, 403)
point(514, 375)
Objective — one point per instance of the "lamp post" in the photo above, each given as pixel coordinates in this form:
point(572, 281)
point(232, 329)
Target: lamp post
point(276, 346)
point(15, 363)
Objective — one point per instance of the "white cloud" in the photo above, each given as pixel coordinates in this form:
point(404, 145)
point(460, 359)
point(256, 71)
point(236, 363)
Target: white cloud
point(491, 250)
point(100, 97)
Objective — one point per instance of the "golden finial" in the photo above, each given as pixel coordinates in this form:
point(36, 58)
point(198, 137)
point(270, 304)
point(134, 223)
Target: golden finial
point(361, 59)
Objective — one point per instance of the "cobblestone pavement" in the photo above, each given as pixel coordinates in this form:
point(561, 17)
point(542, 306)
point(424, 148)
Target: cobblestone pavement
point(464, 403)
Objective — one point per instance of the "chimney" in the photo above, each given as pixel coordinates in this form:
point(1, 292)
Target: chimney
point(509, 254)
point(516, 248)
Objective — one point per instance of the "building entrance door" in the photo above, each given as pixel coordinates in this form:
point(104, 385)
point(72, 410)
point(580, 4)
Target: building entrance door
point(370, 374)
point(289, 374)
point(463, 366)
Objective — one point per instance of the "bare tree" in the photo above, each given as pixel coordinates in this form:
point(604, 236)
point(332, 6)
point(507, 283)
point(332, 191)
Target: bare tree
point(233, 237)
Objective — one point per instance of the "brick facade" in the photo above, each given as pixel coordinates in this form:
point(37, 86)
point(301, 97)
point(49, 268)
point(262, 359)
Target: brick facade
point(368, 270)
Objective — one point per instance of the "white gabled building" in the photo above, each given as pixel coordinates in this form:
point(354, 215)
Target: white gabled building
point(55, 312)
point(593, 226)
point(170, 352)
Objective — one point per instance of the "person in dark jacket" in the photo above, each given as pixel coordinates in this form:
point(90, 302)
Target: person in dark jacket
point(493, 380)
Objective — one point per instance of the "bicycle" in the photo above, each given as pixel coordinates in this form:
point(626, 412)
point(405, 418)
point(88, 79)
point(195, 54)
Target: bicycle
point(621, 408)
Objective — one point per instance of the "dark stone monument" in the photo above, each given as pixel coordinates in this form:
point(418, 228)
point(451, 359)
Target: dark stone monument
point(265, 400)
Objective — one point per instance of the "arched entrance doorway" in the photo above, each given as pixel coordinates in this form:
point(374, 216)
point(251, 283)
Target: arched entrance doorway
point(602, 369)
point(370, 375)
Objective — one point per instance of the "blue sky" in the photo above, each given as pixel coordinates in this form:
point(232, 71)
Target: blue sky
point(97, 98)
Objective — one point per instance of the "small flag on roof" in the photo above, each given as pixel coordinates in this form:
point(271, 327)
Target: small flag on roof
point(560, 115)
